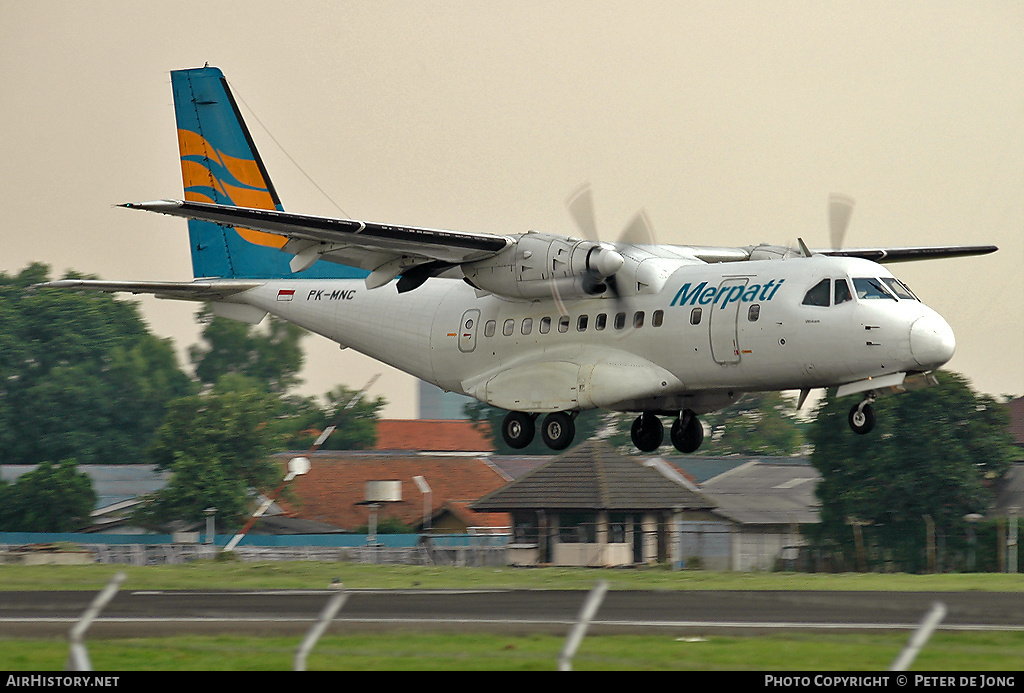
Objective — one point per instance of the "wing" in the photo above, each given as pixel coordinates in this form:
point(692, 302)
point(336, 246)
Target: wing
point(887, 255)
point(182, 291)
point(366, 245)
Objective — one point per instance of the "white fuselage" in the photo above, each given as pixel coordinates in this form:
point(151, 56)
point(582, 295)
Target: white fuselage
point(712, 332)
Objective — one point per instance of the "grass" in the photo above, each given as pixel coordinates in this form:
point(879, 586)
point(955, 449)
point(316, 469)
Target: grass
point(315, 575)
point(946, 651)
point(404, 651)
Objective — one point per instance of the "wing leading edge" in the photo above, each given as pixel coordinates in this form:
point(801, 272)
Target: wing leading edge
point(888, 255)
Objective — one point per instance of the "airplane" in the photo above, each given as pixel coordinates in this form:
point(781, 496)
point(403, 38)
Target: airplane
point(540, 323)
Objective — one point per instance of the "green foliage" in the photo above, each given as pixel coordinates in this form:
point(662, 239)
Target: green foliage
point(218, 445)
point(934, 453)
point(269, 354)
point(80, 375)
point(304, 420)
point(48, 499)
point(761, 423)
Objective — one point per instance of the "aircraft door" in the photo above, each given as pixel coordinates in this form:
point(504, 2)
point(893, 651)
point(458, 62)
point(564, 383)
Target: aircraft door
point(467, 330)
point(725, 347)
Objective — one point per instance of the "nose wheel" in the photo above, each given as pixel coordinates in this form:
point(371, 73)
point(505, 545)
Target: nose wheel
point(862, 417)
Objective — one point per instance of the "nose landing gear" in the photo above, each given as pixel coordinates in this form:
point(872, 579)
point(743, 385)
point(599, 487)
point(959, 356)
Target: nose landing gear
point(862, 416)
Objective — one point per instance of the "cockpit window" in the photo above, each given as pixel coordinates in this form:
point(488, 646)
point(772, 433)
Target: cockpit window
point(870, 288)
point(818, 295)
point(842, 294)
point(899, 288)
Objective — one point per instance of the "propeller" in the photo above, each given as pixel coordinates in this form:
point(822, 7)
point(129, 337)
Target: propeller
point(639, 231)
point(581, 207)
point(580, 203)
point(840, 207)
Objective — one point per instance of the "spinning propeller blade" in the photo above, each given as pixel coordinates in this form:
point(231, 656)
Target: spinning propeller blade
point(840, 207)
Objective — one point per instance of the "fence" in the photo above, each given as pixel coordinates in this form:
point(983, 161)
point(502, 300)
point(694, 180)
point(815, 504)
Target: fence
point(140, 550)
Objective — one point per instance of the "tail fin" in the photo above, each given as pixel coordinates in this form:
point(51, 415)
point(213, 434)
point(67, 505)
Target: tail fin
point(220, 164)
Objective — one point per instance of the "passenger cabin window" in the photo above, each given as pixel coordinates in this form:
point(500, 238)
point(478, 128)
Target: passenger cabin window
point(545, 325)
point(489, 328)
point(601, 321)
point(638, 319)
point(871, 288)
point(754, 312)
point(695, 316)
point(842, 294)
point(620, 321)
point(563, 323)
point(818, 295)
point(527, 325)
point(507, 328)
point(658, 319)
point(581, 323)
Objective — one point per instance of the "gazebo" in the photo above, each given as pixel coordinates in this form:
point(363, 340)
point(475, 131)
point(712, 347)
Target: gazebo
point(594, 506)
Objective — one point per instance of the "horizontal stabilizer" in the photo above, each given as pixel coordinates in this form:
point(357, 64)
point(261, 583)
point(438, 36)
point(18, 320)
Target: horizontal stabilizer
point(183, 291)
point(342, 236)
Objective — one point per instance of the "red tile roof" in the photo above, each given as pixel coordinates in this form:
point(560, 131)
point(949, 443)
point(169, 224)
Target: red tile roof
point(431, 436)
point(335, 486)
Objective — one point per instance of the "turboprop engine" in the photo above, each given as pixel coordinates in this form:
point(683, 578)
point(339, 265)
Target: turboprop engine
point(539, 265)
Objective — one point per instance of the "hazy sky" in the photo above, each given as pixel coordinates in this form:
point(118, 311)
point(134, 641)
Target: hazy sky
point(730, 123)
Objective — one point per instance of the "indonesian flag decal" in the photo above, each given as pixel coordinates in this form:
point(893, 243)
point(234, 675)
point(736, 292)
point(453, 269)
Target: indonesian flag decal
point(285, 294)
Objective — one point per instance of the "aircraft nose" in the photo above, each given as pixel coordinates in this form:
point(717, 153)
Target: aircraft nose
point(931, 341)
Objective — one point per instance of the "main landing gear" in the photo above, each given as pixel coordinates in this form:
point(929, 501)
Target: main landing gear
point(686, 433)
point(557, 430)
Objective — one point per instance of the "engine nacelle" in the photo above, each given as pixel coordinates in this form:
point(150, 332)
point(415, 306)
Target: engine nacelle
point(539, 265)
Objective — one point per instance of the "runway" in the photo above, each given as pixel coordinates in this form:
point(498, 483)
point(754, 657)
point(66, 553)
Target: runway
point(148, 613)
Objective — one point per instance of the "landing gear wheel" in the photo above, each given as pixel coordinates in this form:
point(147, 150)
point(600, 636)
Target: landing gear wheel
point(687, 433)
point(647, 432)
point(518, 429)
point(558, 430)
point(862, 418)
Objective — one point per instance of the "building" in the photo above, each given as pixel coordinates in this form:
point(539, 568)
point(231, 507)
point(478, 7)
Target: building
point(594, 506)
point(436, 404)
point(766, 502)
point(423, 435)
point(334, 490)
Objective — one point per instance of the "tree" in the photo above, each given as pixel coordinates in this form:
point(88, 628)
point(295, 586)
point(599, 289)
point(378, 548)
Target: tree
point(933, 457)
point(80, 375)
point(271, 355)
point(761, 423)
point(48, 499)
point(217, 445)
point(304, 420)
